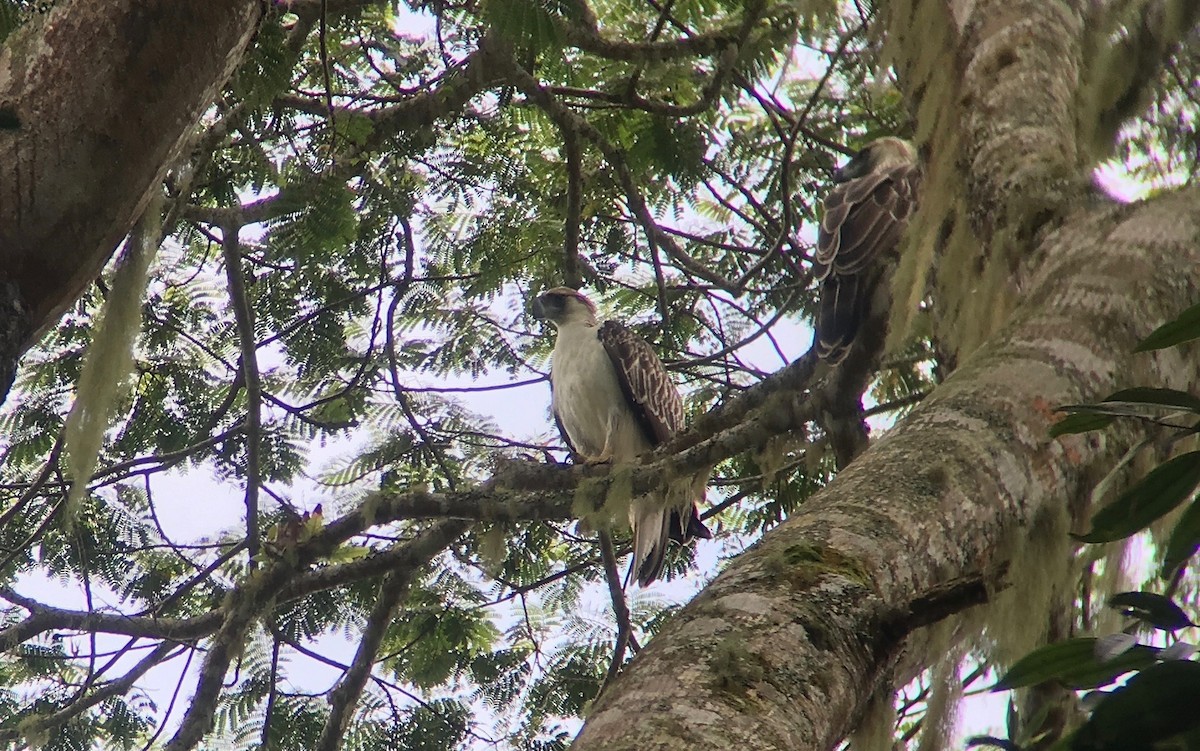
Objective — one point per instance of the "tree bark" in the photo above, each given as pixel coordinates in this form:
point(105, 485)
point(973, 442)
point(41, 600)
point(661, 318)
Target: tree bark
point(785, 648)
point(103, 93)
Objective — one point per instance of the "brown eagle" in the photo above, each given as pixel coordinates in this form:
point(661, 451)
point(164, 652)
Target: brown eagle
point(864, 218)
point(613, 400)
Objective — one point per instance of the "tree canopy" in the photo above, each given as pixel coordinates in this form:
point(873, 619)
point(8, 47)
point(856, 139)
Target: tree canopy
point(350, 211)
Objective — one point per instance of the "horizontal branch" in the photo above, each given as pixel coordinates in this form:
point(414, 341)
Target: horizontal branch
point(44, 618)
point(586, 35)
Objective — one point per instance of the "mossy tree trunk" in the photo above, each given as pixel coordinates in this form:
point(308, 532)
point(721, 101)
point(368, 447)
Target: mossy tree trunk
point(1043, 288)
point(97, 100)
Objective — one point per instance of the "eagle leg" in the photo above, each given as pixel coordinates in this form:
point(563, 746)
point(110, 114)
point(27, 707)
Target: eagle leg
point(606, 454)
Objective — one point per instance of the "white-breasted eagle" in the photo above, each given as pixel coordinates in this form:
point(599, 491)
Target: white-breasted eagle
point(865, 216)
point(613, 400)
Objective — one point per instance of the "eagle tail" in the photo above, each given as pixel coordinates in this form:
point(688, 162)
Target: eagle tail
point(651, 531)
point(839, 316)
point(653, 528)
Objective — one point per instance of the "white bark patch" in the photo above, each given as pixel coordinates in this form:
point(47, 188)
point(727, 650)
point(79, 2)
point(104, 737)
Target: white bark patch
point(696, 716)
point(747, 603)
point(702, 627)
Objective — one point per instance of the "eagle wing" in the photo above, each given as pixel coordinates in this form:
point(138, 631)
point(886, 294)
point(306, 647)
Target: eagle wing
point(562, 431)
point(658, 408)
point(864, 219)
point(647, 386)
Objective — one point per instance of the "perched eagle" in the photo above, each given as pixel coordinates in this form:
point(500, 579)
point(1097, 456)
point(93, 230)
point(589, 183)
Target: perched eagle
point(865, 216)
point(613, 400)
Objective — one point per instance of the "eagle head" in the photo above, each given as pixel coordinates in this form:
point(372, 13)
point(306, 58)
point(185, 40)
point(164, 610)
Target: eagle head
point(880, 154)
point(563, 305)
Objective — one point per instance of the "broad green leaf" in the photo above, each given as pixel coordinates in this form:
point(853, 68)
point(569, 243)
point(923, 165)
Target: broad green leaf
point(1158, 703)
point(1184, 540)
point(1157, 610)
point(1081, 422)
point(1072, 663)
point(1167, 486)
point(1183, 329)
point(1157, 397)
point(991, 741)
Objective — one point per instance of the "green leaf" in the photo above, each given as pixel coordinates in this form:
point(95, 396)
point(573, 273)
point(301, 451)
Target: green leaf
point(1167, 486)
point(1184, 540)
point(529, 24)
point(1157, 397)
point(993, 742)
point(1158, 703)
point(1159, 611)
point(10, 19)
point(1073, 663)
point(1183, 329)
point(1081, 422)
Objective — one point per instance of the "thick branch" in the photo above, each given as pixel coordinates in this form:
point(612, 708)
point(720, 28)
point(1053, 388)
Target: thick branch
point(44, 618)
point(1022, 76)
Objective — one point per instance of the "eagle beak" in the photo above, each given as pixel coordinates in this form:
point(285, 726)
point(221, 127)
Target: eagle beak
point(538, 310)
point(858, 166)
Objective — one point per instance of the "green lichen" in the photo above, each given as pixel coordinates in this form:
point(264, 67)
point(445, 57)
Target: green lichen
point(370, 506)
point(805, 564)
point(590, 507)
point(735, 668)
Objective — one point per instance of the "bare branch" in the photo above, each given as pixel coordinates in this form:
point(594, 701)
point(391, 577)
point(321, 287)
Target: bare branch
point(39, 724)
point(344, 697)
point(239, 300)
point(620, 608)
point(571, 274)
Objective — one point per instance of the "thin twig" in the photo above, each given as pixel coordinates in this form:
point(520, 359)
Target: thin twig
point(620, 608)
point(244, 316)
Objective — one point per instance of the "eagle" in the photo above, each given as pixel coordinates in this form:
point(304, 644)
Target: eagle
point(613, 401)
point(864, 217)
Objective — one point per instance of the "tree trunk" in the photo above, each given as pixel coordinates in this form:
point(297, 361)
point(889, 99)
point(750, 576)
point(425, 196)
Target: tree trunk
point(785, 649)
point(103, 94)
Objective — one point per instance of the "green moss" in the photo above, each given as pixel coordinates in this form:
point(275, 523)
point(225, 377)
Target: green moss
point(369, 508)
point(589, 504)
point(735, 668)
point(620, 490)
point(804, 564)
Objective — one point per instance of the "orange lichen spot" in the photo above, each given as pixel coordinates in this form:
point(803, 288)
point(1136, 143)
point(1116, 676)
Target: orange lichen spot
point(1047, 410)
